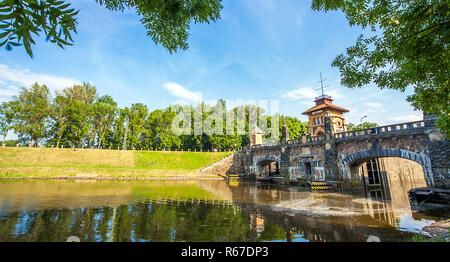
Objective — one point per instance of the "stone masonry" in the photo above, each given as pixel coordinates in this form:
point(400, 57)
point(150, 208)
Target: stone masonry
point(331, 157)
point(232, 164)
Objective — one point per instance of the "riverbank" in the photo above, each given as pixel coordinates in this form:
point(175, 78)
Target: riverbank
point(52, 163)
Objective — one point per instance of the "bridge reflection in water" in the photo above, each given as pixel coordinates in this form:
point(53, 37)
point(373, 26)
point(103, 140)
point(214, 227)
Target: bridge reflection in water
point(197, 211)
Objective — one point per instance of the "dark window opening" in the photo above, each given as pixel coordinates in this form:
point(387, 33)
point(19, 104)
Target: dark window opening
point(308, 168)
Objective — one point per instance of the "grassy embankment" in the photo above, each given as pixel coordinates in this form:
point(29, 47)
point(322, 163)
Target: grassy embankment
point(82, 163)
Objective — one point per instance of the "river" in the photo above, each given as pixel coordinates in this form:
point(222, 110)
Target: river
point(52, 210)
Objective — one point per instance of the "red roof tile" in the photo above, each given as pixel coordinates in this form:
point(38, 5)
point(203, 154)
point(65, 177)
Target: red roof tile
point(325, 106)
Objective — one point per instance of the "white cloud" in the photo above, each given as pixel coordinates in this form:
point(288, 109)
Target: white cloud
point(300, 94)
point(10, 90)
point(374, 105)
point(333, 93)
point(26, 78)
point(181, 92)
point(406, 118)
point(308, 93)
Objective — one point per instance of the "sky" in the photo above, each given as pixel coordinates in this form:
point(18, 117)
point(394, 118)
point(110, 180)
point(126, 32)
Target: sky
point(258, 50)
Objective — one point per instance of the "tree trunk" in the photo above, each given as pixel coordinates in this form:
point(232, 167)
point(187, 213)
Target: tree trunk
point(59, 137)
point(4, 139)
point(100, 138)
point(57, 141)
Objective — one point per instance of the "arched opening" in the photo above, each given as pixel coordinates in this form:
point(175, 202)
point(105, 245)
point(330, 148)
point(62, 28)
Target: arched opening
point(386, 181)
point(267, 169)
point(319, 132)
point(389, 178)
point(351, 161)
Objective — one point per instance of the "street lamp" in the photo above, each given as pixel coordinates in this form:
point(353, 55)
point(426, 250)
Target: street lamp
point(362, 119)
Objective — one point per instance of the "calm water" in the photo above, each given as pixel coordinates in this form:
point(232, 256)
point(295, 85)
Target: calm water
point(198, 211)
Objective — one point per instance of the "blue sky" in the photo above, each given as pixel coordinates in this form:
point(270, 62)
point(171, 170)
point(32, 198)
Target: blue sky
point(259, 50)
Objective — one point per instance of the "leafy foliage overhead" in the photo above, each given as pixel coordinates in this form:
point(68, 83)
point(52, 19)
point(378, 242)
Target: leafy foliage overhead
point(167, 21)
point(408, 47)
point(21, 19)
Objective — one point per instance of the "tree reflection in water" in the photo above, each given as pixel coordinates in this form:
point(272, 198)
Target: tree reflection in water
point(138, 211)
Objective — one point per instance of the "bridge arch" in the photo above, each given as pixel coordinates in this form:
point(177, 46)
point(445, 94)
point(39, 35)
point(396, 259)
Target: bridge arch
point(420, 158)
point(266, 159)
point(271, 158)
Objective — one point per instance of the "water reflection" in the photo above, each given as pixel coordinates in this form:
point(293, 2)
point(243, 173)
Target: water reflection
point(196, 211)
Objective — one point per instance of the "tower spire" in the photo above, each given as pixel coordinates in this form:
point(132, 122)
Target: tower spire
point(321, 84)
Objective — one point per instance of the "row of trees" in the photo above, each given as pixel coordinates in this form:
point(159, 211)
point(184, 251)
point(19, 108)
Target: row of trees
point(365, 125)
point(78, 117)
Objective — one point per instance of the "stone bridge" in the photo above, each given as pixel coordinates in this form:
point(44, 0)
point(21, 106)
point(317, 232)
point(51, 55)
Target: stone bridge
point(336, 157)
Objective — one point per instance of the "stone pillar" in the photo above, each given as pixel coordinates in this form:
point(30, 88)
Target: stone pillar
point(438, 150)
point(248, 164)
point(285, 155)
point(285, 163)
point(331, 164)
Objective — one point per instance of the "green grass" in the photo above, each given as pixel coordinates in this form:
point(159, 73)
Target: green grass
point(48, 162)
point(176, 160)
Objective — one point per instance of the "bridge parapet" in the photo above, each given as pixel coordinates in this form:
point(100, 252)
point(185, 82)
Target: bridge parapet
point(390, 130)
point(266, 146)
point(307, 140)
point(408, 128)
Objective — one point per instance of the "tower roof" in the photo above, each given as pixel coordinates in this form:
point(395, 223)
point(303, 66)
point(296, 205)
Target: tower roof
point(256, 130)
point(323, 102)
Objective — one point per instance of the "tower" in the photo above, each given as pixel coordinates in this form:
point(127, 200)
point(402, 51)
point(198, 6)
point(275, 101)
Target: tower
point(256, 136)
point(325, 108)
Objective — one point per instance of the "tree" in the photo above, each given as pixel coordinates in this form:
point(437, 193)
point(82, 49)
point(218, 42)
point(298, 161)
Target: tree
point(296, 127)
point(365, 125)
point(137, 115)
point(117, 135)
point(160, 134)
point(19, 19)
point(167, 21)
point(7, 116)
point(33, 108)
point(104, 112)
point(59, 115)
point(79, 112)
point(409, 47)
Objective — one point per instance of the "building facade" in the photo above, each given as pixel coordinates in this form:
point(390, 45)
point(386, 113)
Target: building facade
point(324, 108)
